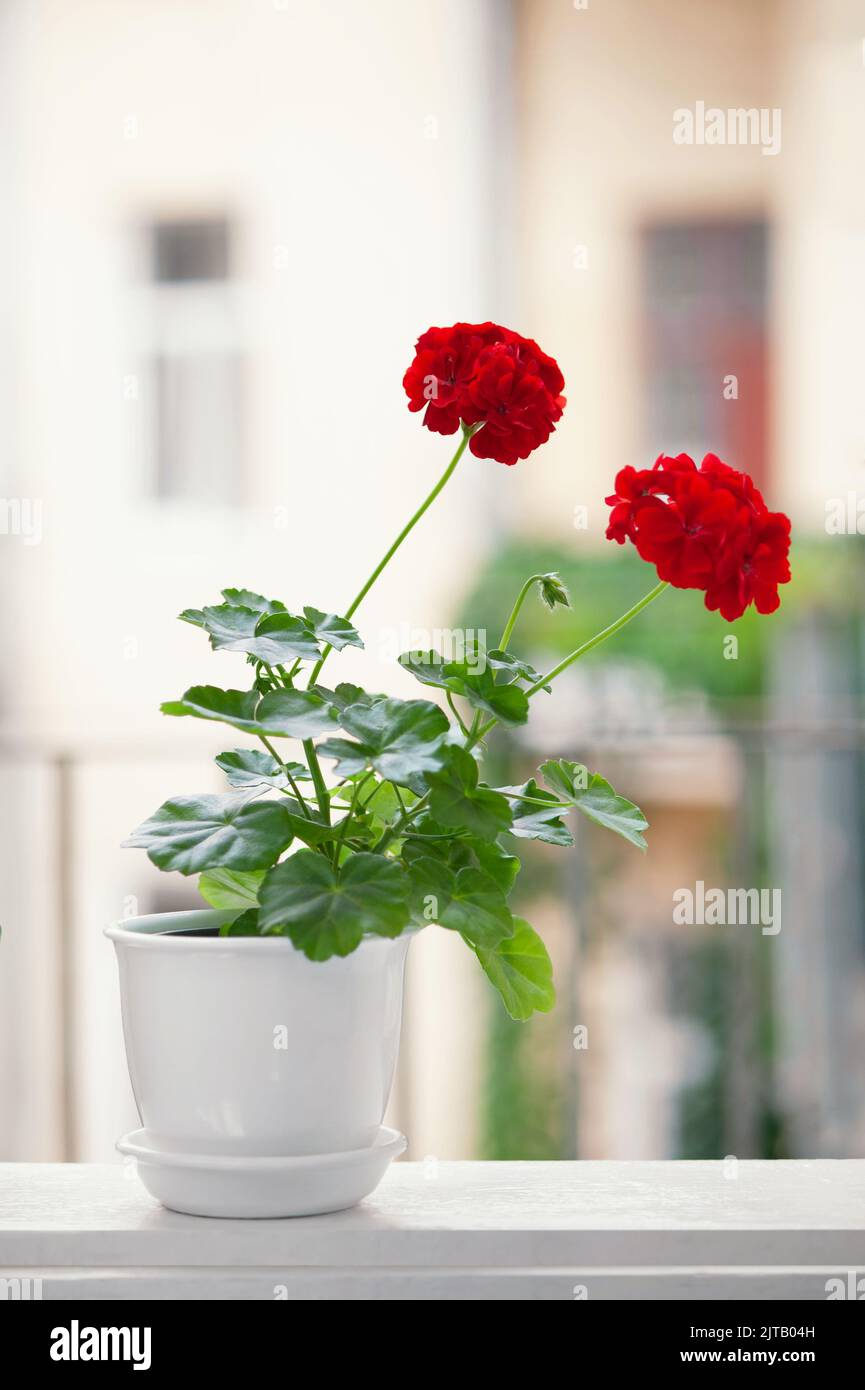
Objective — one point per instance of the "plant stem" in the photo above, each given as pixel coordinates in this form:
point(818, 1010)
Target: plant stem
point(294, 787)
point(343, 830)
point(532, 800)
point(393, 831)
point(371, 796)
point(389, 554)
point(515, 611)
point(456, 713)
point(599, 637)
point(317, 779)
point(573, 656)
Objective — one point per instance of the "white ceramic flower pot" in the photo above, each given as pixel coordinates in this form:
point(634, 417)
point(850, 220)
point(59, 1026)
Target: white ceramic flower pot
point(241, 1047)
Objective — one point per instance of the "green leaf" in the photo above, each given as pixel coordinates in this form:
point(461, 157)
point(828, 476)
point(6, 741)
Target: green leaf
point(537, 814)
point(473, 680)
point(293, 714)
point(565, 778)
point(428, 839)
point(457, 800)
point(429, 668)
point(234, 598)
point(379, 799)
point(280, 637)
point(487, 855)
point(311, 828)
point(231, 887)
point(284, 713)
point(192, 615)
point(467, 901)
point(234, 707)
point(335, 631)
point(246, 924)
point(347, 694)
point(509, 703)
point(269, 637)
point(352, 758)
point(248, 598)
point(594, 796)
point(326, 911)
point(553, 591)
point(521, 971)
point(247, 767)
point(378, 807)
point(229, 626)
point(399, 739)
point(192, 833)
point(515, 668)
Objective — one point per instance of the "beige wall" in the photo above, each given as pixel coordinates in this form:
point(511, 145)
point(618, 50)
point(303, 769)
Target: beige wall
point(311, 124)
point(351, 144)
point(820, 292)
point(598, 88)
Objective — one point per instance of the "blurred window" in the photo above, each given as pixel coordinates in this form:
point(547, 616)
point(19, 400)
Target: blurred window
point(184, 251)
point(195, 366)
point(705, 295)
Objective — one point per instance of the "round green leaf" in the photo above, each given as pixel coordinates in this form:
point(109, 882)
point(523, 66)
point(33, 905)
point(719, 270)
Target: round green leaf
point(335, 631)
point(400, 739)
point(192, 833)
point(244, 925)
point(514, 667)
point(522, 972)
point(472, 677)
point(226, 888)
point(457, 800)
point(280, 637)
point(234, 707)
point(248, 598)
point(326, 911)
point(467, 901)
point(293, 714)
point(250, 767)
point(229, 625)
point(471, 852)
point(285, 713)
point(593, 795)
point(537, 814)
point(271, 636)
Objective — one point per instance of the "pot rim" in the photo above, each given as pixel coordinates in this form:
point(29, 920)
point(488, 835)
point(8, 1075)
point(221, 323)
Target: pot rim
point(149, 932)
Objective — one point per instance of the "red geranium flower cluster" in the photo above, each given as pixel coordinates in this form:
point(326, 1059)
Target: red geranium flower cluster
point(483, 374)
point(704, 528)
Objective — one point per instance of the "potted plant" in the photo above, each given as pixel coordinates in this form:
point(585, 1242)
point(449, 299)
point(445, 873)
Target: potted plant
point(262, 1033)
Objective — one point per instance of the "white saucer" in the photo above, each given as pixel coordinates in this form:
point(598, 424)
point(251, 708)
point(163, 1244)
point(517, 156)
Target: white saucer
point(217, 1185)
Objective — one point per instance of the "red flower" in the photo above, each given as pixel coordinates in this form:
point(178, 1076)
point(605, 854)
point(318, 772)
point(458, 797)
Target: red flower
point(635, 488)
point(509, 396)
point(443, 366)
point(489, 377)
point(705, 528)
point(739, 484)
point(684, 539)
point(752, 567)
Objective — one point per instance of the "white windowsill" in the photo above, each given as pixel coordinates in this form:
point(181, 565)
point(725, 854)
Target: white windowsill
point(454, 1230)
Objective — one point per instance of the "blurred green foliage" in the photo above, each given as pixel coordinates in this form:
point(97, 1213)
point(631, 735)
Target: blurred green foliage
point(676, 634)
point(528, 1105)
